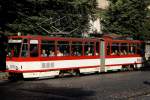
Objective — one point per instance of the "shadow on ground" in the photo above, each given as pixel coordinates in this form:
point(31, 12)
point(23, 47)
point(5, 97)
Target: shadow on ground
point(39, 91)
point(146, 65)
point(147, 83)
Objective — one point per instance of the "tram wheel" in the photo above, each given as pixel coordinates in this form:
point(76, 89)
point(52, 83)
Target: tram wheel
point(12, 78)
point(15, 77)
point(76, 73)
point(131, 68)
point(124, 68)
point(61, 74)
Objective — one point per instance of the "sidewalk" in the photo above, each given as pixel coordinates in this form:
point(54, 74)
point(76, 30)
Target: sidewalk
point(3, 75)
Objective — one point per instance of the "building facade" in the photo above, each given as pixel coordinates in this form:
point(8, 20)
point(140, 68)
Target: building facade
point(95, 25)
point(102, 4)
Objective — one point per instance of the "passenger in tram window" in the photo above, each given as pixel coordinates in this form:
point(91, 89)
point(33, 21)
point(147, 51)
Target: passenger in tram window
point(51, 53)
point(121, 53)
point(89, 52)
point(97, 54)
point(124, 52)
point(116, 52)
point(79, 52)
point(113, 53)
point(34, 52)
point(13, 52)
point(59, 53)
point(66, 53)
point(47, 52)
point(73, 52)
point(132, 50)
point(76, 53)
point(44, 53)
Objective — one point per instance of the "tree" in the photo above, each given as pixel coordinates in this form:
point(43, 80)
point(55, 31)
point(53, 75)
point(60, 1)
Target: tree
point(34, 16)
point(125, 17)
point(147, 29)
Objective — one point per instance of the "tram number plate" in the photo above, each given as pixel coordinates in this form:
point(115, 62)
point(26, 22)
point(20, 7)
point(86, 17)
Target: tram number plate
point(139, 60)
point(48, 65)
point(12, 67)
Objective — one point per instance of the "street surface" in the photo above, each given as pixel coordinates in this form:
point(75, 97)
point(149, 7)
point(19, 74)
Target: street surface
point(111, 86)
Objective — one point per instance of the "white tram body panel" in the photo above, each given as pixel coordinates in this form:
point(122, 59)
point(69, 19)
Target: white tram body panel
point(33, 69)
point(117, 63)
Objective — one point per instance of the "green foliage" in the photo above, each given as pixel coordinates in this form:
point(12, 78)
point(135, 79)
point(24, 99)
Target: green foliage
point(125, 17)
point(40, 16)
point(146, 31)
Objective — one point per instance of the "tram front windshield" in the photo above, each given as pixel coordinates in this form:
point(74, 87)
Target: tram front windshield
point(13, 49)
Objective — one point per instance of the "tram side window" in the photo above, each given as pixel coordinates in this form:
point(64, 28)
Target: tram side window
point(97, 48)
point(132, 48)
point(123, 49)
point(34, 50)
point(76, 49)
point(63, 48)
point(47, 48)
point(140, 49)
point(13, 49)
point(89, 48)
point(108, 49)
point(115, 49)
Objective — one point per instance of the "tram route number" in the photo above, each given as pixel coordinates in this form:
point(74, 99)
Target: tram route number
point(139, 60)
point(48, 65)
point(12, 67)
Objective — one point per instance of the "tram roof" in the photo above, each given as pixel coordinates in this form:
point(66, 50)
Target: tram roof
point(123, 40)
point(71, 38)
point(53, 38)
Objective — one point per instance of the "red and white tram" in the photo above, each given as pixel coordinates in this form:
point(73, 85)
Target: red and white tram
point(43, 56)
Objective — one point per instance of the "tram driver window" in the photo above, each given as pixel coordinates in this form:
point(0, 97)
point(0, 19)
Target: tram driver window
point(13, 49)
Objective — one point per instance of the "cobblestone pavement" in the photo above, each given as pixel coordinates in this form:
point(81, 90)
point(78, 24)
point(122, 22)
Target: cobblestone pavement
point(111, 86)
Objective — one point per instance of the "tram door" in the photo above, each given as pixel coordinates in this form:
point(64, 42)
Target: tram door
point(147, 50)
point(102, 55)
point(3, 46)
